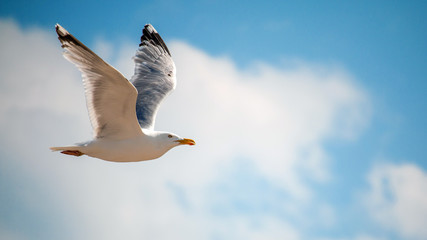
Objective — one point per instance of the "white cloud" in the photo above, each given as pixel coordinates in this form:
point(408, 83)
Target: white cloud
point(358, 237)
point(32, 66)
point(397, 199)
point(275, 119)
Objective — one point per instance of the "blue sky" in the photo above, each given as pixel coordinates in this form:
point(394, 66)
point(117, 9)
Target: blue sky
point(344, 83)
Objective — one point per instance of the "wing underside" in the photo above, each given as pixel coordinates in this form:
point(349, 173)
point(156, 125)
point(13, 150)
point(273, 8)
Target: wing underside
point(154, 76)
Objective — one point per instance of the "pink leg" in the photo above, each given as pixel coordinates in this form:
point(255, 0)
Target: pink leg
point(73, 152)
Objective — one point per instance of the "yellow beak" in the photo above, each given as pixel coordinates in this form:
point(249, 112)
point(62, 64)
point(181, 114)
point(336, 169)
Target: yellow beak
point(186, 141)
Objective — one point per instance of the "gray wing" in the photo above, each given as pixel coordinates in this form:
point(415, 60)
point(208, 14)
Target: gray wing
point(154, 76)
point(110, 97)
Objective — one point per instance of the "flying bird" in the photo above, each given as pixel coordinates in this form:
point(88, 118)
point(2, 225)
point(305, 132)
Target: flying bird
point(123, 112)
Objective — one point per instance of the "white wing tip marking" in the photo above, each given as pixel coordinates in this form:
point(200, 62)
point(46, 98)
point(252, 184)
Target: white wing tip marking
point(60, 30)
point(150, 28)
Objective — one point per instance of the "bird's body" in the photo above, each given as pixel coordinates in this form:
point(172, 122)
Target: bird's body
point(123, 113)
point(138, 148)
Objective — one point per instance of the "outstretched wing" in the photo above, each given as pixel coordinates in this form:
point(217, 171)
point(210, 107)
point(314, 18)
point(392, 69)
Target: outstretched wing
point(110, 97)
point(154, 76)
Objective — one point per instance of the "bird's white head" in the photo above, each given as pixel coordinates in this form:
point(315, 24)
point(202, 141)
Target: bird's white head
point(172, 140)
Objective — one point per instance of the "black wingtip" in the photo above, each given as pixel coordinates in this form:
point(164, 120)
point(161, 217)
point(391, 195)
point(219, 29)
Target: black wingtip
point(149, 34)
point(66, 38)
point(60, 30)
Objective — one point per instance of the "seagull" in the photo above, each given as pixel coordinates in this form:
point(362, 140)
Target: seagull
point(123, 112)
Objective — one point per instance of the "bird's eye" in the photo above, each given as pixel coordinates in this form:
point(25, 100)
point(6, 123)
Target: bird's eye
point(169, 136)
